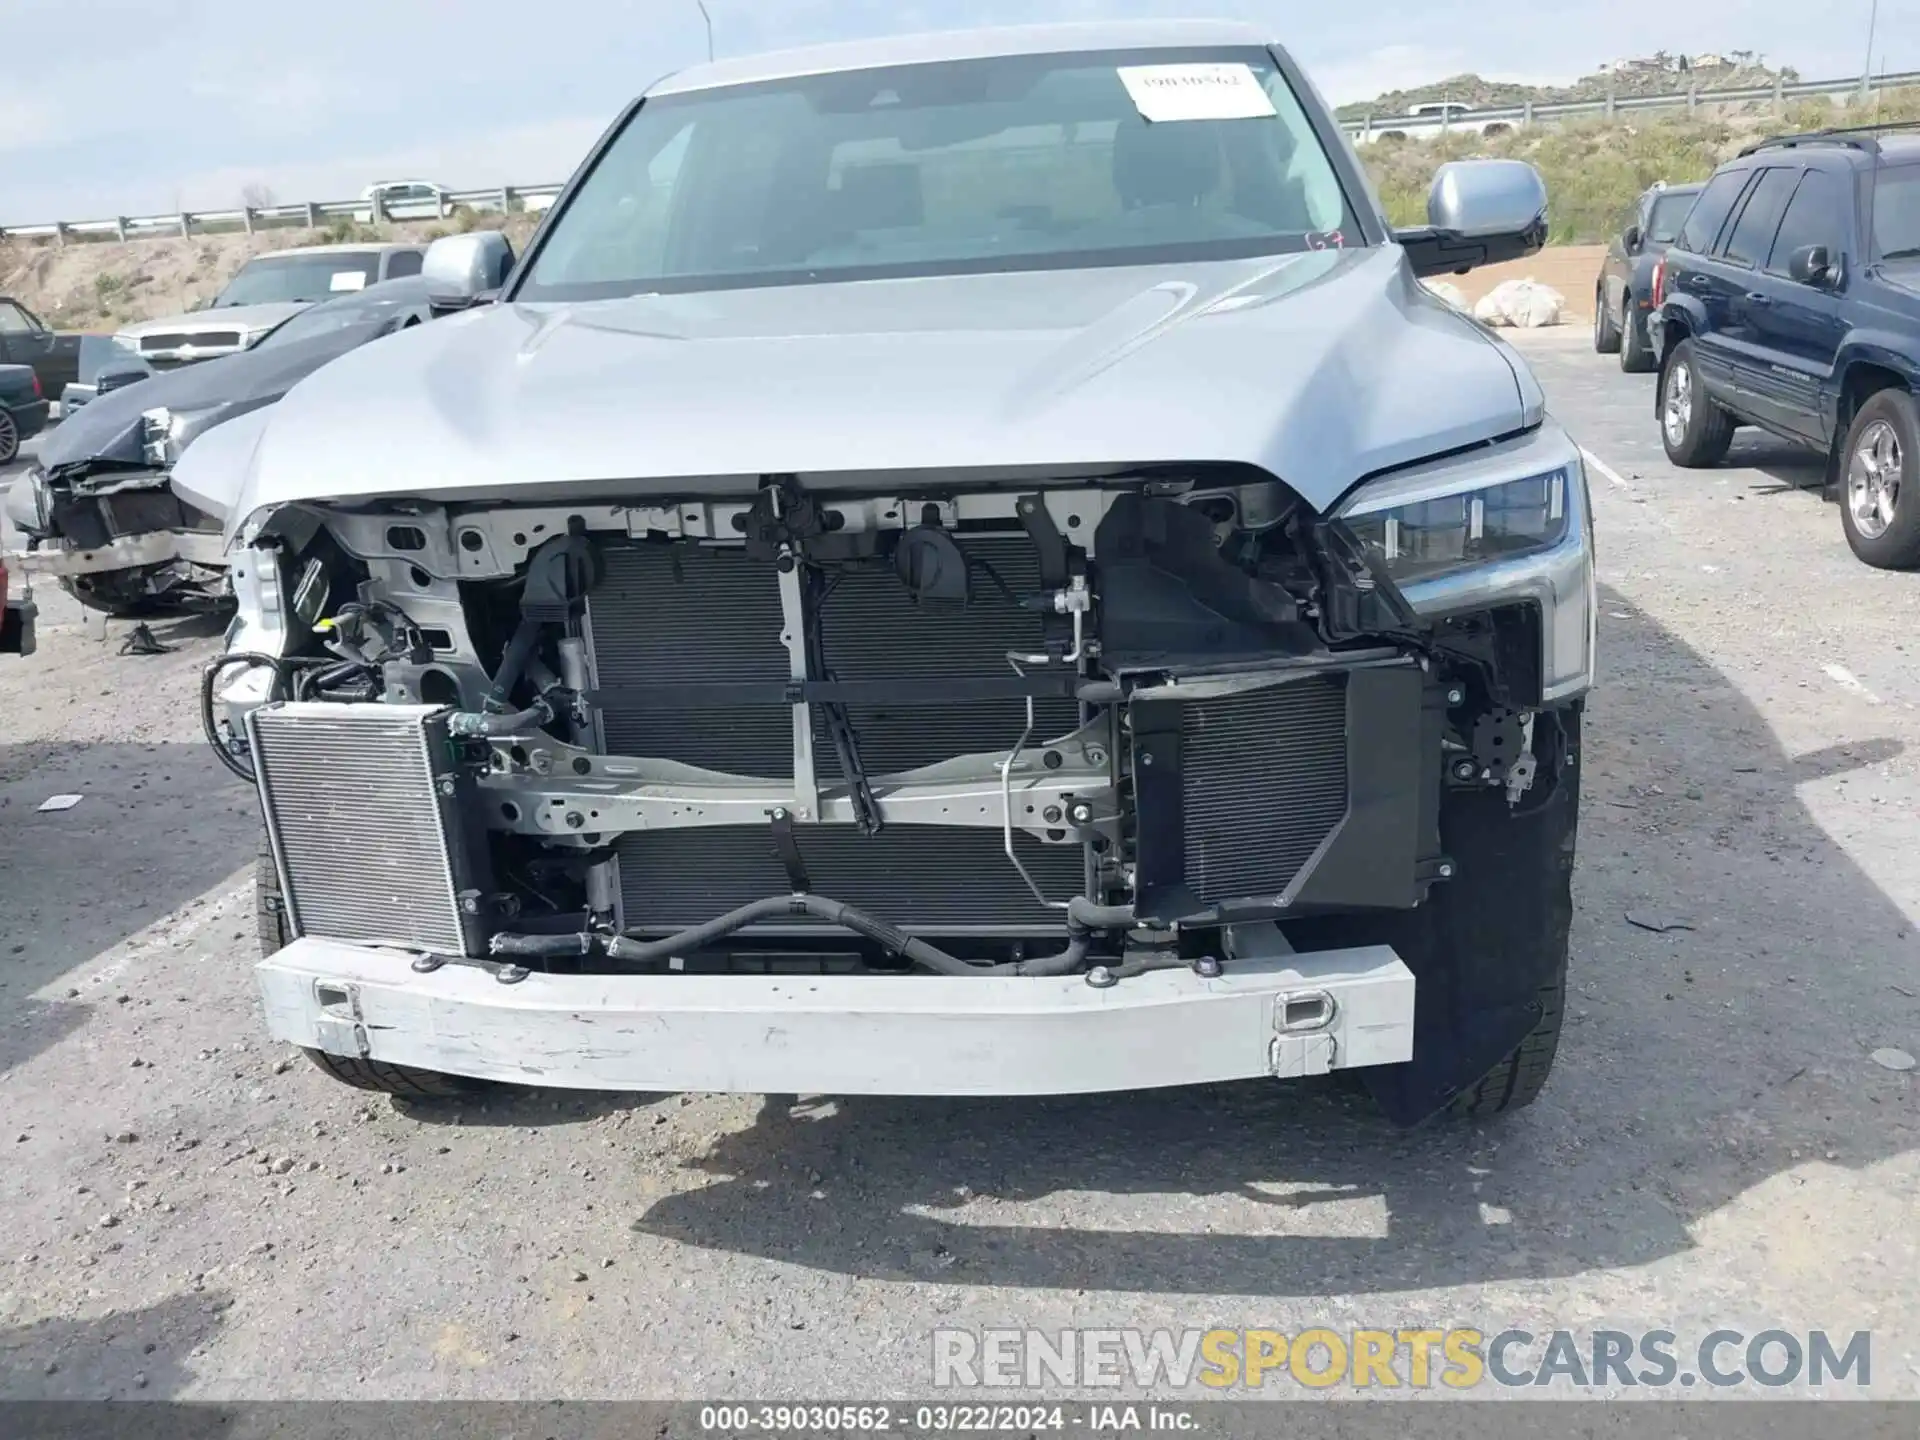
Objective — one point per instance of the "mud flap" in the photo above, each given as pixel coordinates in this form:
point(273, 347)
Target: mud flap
point(1487, 942)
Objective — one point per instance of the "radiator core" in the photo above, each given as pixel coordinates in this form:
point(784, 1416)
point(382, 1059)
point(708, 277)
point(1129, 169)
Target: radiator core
point(361, 809)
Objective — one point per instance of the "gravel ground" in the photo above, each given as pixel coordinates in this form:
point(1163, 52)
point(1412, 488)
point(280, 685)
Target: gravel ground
point(190, 1211)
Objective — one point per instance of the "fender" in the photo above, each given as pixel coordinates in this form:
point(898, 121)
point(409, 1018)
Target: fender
point(1679, 313)
point(1882, 349)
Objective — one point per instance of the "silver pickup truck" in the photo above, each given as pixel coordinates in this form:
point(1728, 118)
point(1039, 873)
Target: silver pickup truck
point(959, 565)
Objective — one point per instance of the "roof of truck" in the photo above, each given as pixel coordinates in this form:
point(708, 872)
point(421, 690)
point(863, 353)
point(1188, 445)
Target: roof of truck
point(981, 44)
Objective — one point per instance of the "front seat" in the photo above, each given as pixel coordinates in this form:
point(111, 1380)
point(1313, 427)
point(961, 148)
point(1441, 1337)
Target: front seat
point(1172, 162)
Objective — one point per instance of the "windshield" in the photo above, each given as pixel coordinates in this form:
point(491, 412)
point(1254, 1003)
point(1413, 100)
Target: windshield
point(1896, 213)
point(102, 352)
point(1020, 163)
point(370, 315)
point(1669, 214)
point(276, 279)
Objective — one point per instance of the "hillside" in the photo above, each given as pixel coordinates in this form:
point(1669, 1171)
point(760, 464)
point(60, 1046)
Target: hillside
point(98, 285)
point(1594, 169)
point(1658, 74)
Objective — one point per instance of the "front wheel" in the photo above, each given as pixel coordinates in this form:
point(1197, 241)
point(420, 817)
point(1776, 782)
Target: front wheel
point(276, 933)
point(1696, 432)
point(1880, 491)
point(9, 437)
point(1636, 355)
point(1606, 334)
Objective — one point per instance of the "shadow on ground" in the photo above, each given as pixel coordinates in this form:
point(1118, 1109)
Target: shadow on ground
point(157, 826)
point(132, 1354)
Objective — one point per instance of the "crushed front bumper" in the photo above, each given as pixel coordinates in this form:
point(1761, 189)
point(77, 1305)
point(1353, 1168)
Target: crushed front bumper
point(129, 552)
point(1270, 1013)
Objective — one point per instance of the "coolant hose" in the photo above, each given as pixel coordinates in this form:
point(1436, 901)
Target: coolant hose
point(520, 650)
point(1081, 922)
point(469, 724)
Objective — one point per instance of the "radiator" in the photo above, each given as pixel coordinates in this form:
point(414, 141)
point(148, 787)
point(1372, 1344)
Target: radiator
point(1264, 782)
point(361, 806)
point(680, 614)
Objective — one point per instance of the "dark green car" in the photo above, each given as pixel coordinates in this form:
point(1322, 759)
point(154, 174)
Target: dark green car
point(23, 409)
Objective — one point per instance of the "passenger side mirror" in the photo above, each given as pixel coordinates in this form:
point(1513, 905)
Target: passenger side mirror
point(1630, 239)
point(1811, 265)
point(460, 269)
point(1479, 212)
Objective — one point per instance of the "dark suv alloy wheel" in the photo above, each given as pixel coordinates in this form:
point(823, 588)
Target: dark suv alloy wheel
point(1606, 333)
point(1880, 482)
point(1695, 431)
point(1636, 355)
point(9, 438)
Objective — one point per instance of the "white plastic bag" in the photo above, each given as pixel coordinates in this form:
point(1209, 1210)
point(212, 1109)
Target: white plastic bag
point(1525, 304)
point(1449, 293)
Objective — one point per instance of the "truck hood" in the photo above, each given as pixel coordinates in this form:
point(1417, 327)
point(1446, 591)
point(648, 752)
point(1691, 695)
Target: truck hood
point(1321, 368)
point(108, 431)
point(250, 319)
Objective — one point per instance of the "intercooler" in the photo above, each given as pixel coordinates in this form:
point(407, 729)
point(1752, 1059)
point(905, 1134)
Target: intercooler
point(1237, 792)
point(363, 813)
point(677, 615)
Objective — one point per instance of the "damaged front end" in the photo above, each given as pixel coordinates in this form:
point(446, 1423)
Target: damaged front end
point(1185, 778)
point(110, 529)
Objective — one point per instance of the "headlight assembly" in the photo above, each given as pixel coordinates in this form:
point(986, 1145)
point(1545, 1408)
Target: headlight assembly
point(1505, 524)
point(1440, 523)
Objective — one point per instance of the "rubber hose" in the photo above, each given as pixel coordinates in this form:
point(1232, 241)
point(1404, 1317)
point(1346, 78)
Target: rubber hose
point(519, 651)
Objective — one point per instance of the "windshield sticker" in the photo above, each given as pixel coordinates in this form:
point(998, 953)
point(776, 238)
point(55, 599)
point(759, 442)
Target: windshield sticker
point(1196, 92)
point(1326, 240)
point(348, 280)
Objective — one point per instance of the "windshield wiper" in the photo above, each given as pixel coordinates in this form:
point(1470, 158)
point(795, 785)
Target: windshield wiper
point(1909, 252)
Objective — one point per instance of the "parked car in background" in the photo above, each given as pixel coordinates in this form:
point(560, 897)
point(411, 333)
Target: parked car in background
point(268, 289)
point(404, 200)
point(26, 339)
point(1623, 295)
point(17, 612)
point(98, 510)
point(105, 365)
point(1791, 301)
point(23, 409)
point(1015, 547)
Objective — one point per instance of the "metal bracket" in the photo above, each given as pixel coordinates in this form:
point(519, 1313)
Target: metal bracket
point(788, 849)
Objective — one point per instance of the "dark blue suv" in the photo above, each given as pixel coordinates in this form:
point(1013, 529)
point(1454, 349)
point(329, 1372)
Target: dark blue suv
point(1791, 301)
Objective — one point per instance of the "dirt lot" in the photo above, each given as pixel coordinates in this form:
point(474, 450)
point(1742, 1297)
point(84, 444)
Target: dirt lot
point(1570, 269)
point(193, 1212)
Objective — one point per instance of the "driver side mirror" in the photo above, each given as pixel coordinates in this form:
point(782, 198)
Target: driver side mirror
point(1811, 265)
point(460, 269)
point(1479, 212)
point(1630, 239)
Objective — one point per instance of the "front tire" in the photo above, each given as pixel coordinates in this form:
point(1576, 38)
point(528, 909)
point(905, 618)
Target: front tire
point(9, 438)
point(1696, 432)
point(403, 1081)
point(1636, 355)
point(1606, 334)
point(1880, 482)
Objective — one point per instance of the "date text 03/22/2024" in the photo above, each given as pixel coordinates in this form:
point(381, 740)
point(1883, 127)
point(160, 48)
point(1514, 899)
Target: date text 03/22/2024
point(943, 1419)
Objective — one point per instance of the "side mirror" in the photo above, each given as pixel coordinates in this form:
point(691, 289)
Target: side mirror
point(1630, 239)
point(459, 269)
point(1811, 265)
point(1479, 212)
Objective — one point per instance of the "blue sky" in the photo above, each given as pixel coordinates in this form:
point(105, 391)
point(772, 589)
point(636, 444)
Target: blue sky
point(132, 106)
